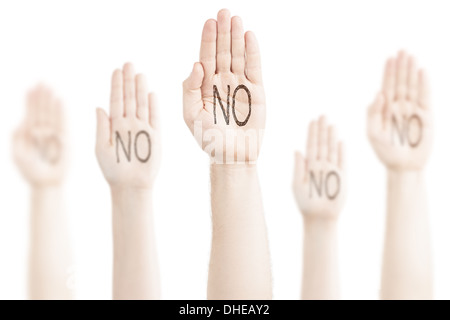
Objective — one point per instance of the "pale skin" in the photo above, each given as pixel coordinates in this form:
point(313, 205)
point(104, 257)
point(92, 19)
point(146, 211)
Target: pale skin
point(319, 189)
point(400, 131)
point(128, 151)
point(240, 262)
point(40, 148)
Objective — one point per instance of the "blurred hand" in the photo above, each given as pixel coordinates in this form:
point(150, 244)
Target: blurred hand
point(229, 67)
point(39, 144)
point(128, 145)
point(319, 178)
point(399, 120)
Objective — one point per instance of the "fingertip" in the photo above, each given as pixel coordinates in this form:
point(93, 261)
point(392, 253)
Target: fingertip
point(236, 21)
point(128, 66)
point(209, 30)
point(250, 36)
point(223, 14)
point(198, 68)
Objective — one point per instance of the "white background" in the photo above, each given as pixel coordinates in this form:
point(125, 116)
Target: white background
point(318, 57)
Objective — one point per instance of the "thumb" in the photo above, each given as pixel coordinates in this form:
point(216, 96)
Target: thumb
point(103, 130)
point(192, 94)
point(299, 169)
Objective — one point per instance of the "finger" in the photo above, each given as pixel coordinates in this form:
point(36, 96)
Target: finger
point(103, 128)
point(312, 142)
point(129, 90)
point(341, 156)
point(192, 94)
point(402, 69)
point(322, 142)
point(57, 121)
point(46, 106)
point(389, 79)
point(412, 80)
point(377, 105)
point(237, 46)
point(142, 97)
point(423, 90)
point(299, 168)
point(223, 41)
point(116, 109)
point(153, 111)
point(208, 47)
point(253, 62)
point(20, 139)
point(40, 105)
point(332, 145)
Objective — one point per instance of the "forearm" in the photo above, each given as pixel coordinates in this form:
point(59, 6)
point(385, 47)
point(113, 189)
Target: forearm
point(407, 270)
point(50, 257)
point(320, 259)
point(240, 264)
point(135, 271)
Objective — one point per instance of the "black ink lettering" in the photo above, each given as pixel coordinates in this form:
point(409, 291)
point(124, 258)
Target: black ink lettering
point(243, 123)
point(404, 131)
point(314, 183)
point(338, 185)
point(127, 153)
point(318, 185)
point(226, 113)
point(49, 148)
point(414, 144)
point(400, 131)
point(149, 151)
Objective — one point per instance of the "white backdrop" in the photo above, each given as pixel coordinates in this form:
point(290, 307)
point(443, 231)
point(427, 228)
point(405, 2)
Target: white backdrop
point(318, 57)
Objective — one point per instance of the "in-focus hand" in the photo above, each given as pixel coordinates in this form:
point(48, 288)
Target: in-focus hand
point(399, 120)
point(128, 145)
point(39, 144)
point(319, 178)
point(224, 102)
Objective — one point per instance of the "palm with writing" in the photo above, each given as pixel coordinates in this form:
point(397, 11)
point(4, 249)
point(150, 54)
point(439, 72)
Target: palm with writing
point(128, 145)
point(319, 180)
point(399, 120)
point(229, 60)
point(39, 144)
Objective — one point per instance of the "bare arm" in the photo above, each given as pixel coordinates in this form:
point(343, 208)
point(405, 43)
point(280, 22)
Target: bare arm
point(128, 151)
point(136, 271)
point(224, 107)
point(400, 130)
point(240, 263)
point(50, 256)
point(40, 153)
point(407, 271)
point(319, 188)
point(320, 260)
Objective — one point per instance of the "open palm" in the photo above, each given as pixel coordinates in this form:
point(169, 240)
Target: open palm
point(399, 121)
point(39, 145)
point(128, 145)
point(319, 177)
point(224, 94)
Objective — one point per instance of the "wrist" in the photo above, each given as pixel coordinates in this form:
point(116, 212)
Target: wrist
point(404, 175)
point(45, 188)
point(120, 189)
point(131, 201)
point(232, 173)
point(328, 219)
point(233, 167)
point(315, 225)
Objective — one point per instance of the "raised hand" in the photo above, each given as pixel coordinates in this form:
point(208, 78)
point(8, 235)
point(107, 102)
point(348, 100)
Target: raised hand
point(128, 145)
point(39, 144)
point(399, 120)
point(224, 96)
point(319, 179)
